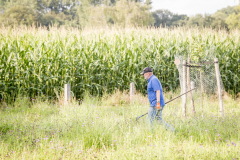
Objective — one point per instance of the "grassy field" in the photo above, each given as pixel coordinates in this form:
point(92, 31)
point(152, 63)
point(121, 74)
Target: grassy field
point(105, 128)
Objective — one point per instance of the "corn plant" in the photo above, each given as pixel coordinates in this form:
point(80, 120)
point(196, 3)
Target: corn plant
point(38, 62)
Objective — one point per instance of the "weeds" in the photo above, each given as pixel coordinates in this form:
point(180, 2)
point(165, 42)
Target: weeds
point(108, 131)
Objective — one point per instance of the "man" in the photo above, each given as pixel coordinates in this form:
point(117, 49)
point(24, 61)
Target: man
point(155, 97)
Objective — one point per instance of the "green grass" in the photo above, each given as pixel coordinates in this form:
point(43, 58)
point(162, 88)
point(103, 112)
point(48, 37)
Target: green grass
point(97, 129)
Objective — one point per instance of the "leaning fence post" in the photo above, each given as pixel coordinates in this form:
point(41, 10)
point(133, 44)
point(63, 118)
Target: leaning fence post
point(66, 93)
point(184, 85)
point(132, 91)
point(219, 86)
point(192, 86)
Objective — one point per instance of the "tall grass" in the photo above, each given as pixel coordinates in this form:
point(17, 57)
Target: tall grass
point(38, 62)
point(102, 130)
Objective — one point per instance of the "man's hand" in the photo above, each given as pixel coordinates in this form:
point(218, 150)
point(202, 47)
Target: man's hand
point(158, 106)
point(158, 99)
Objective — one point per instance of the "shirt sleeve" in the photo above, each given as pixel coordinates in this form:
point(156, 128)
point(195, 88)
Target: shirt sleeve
point(156, 85)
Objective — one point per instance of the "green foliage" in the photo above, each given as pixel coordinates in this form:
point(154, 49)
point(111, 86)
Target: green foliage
point(55, 19)
point(227, 11)
point(123, 13)
point(233, 21)
point(90, 131)
point(84, 13)
point(208, 21)
point(166, 18)
point(5, 128)
point(19, 15)
point(56, 6)
point(97, 13)
point(222, 19)
point(7, 4)
point(40, 62)
point(132, 14)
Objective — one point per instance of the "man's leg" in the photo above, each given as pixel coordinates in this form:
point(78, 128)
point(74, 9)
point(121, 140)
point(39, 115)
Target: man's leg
point(161, 121)
point(151, 115)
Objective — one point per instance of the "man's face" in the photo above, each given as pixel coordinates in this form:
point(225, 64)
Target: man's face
point(145, 75)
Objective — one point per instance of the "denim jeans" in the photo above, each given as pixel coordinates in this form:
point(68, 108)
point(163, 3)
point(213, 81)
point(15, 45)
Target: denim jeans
point(152, 116)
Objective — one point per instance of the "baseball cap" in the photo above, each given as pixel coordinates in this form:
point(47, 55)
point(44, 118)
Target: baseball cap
point(145, 70)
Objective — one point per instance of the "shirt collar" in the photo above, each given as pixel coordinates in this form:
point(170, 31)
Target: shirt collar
point(150, 78)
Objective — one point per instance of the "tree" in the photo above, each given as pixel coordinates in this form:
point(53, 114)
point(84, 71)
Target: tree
point(55, 19)
point(148, 3)
point(220, 15)
point(7, 4)
point(179, 20)
point(219, 20)
point(85, 13)
point(131, 13)
point(233, 21)
point(197, 20)
point(55, 6)
point(82, 13)
point(19, 12)
point(19, 15)
point(167, 18)
point(227, 11)
point(162, 18)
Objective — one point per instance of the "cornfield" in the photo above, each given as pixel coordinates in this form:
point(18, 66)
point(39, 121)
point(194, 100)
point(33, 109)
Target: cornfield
point(38, 62)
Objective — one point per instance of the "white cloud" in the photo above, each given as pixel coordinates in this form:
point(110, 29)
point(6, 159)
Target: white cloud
point(192, 7)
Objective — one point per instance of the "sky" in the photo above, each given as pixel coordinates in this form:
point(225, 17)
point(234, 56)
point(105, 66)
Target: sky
point(192, 7)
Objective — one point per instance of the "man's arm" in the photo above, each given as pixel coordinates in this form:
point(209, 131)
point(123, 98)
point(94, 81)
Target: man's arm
point(158, 99)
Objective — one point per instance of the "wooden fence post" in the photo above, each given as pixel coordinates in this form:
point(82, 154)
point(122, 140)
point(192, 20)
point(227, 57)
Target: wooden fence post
point(184, 97)
point(66, 93)
point(189, 87)
point(201, 85)
point(219, 86)
point(132, 91)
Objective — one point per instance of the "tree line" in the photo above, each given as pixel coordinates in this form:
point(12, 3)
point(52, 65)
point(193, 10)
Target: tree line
point(94, 13)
